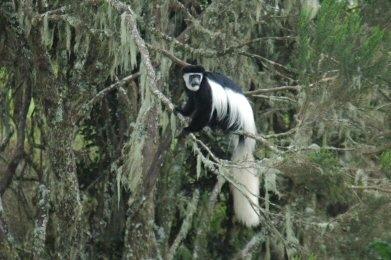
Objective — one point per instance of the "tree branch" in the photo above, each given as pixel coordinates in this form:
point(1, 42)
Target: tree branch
point(251, 246)
point(21, 128)
point(370, 188)
point(275, 89)
point(169, 55)
point(186, 225)
point(87, 106)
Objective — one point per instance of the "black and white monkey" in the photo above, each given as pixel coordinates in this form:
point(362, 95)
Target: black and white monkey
point(216, 101)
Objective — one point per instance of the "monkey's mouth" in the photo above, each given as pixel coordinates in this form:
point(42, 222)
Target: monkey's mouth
point(195, 82)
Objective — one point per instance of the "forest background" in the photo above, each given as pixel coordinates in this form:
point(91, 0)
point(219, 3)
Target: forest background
point(90, 166)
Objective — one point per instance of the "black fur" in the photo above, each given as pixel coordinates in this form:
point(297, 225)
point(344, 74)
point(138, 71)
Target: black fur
point(199, 104)
point(193, 69)
point(224, 81)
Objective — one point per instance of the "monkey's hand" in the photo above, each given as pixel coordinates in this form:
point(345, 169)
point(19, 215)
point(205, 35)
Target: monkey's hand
point(178, 110)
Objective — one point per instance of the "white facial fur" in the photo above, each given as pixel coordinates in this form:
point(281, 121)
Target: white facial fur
point(186, 77)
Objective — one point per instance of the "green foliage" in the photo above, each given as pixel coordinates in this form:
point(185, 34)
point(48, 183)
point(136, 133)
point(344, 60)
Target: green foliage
point(77, 49)
point(5, 104)
point(385, 162)
point(337, 38)
point(326, 159)
point(310, 257)
point(330, 182)
point(219, 216)
point(3, 75)
point(183, 253)
point(381, 248)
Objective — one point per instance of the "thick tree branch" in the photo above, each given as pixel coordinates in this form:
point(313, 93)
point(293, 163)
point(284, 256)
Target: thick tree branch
point(17, 156)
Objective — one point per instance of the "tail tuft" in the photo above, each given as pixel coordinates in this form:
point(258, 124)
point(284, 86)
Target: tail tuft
point(246, 205)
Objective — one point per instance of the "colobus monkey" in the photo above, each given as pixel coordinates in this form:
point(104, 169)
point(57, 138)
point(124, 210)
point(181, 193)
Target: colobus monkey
point(216, 101)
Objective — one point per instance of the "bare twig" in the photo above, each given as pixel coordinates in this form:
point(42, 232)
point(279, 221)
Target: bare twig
point(275, 89)
point(370, 188)
point(377, 149)
point(276, 64)
point(276, 98)
point(104, 92)
point(53, 14)
point(169, 55)
point(249, 42)
point(289, 132)
point(251, 245)
point(211, 53)
point(263, 140)
point(196, 23)
point(216, 191)
point(60, 10)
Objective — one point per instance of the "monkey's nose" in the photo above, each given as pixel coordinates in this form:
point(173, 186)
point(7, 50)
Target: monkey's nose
point(195, 82)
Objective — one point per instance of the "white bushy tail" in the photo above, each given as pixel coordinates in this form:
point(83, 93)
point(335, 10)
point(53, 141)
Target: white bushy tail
point(234, 106)
point(246, 205)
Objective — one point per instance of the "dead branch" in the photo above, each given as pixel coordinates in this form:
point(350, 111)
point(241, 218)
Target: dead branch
point(276, 98)
point(370, 188)
point(169, 55)
point(249, 42)
point(290, 132)
point(275, 89)
point(262, 140)
point(259, 57)
point(194, 22)
point(87, 106)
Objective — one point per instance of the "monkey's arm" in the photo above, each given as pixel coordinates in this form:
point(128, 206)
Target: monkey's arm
point(199, 120)
point(188, 109)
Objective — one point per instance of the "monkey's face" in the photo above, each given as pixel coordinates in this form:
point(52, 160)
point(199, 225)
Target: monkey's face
point(193, 80)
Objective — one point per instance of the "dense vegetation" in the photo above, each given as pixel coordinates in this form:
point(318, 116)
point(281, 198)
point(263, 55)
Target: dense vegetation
point(90, 166)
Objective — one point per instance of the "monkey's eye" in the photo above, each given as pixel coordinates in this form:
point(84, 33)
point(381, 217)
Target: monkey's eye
point(195, 79)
